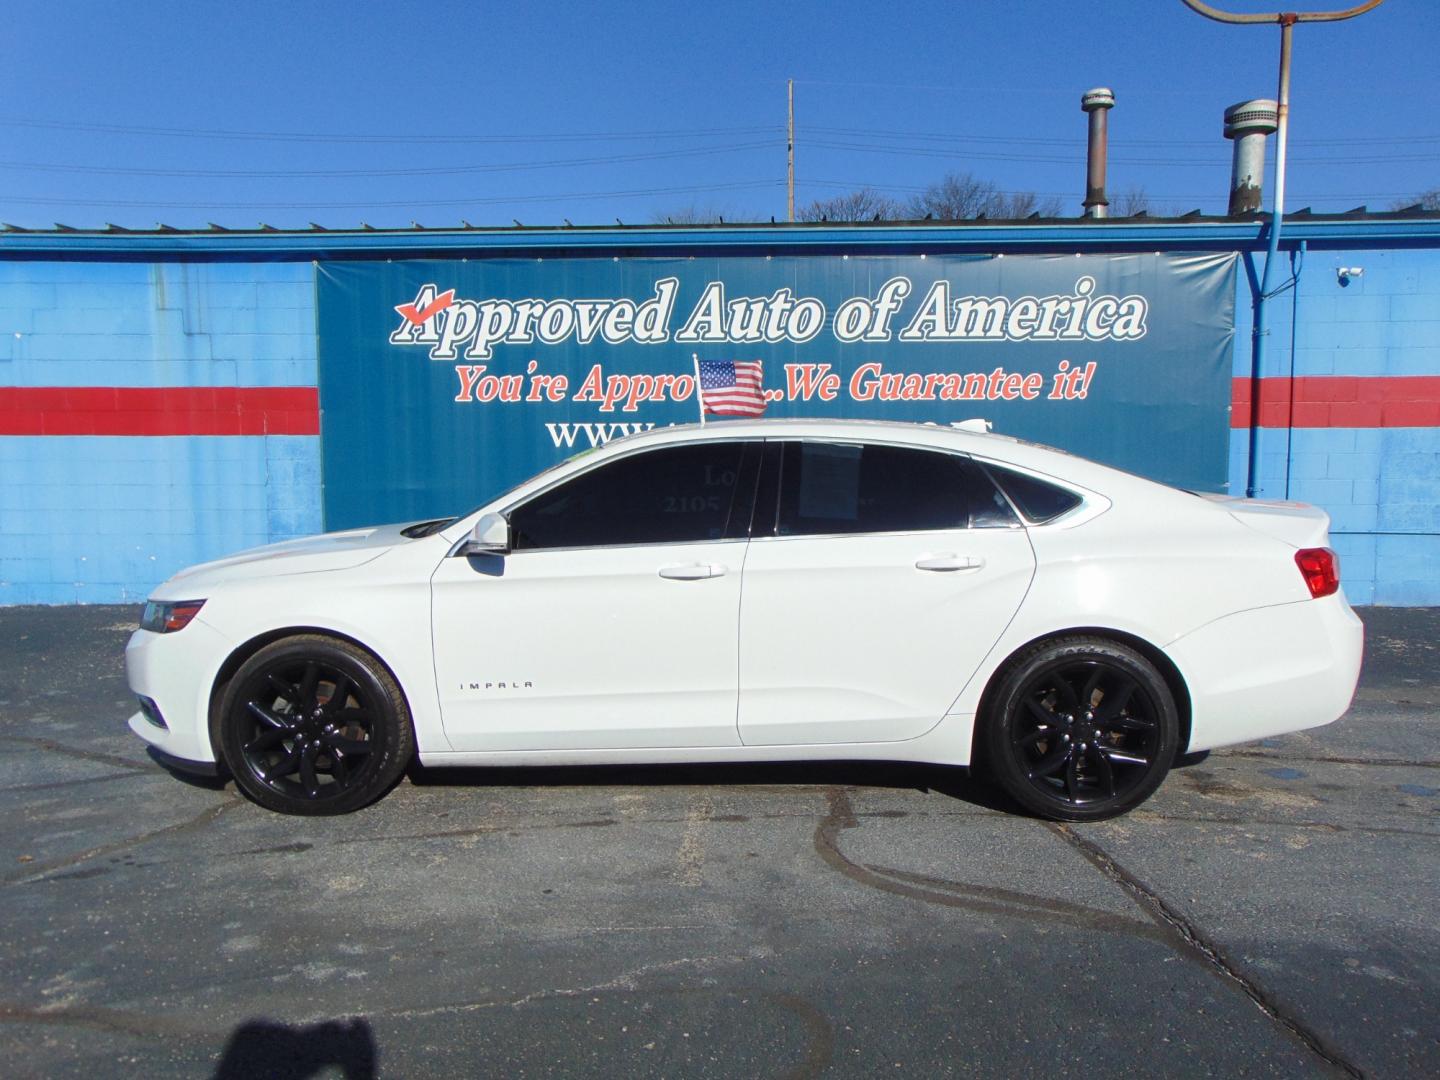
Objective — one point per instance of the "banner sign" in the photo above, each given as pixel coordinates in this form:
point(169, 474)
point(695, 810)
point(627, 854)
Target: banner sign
point(444, 382)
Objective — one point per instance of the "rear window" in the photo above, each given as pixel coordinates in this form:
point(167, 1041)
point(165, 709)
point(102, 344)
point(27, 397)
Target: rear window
point(837, 488)
point(1037, 500)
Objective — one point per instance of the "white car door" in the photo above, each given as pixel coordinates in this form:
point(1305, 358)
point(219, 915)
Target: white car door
point(612, 622)
point(887, 575)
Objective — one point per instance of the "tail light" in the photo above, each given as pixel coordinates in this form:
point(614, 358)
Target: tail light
point(1320, 567)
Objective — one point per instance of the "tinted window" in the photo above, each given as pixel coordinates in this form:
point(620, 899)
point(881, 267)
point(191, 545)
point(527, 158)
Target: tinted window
point(1037, 500)
point(664, 496)
point(828, 488)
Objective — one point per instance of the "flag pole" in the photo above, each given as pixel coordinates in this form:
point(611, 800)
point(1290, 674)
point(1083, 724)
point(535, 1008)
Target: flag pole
point(699, 397)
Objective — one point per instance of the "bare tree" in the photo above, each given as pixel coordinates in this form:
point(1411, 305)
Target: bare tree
point(1128, 203)
point(1019, 204)
point(958, 196)
point(863, 204)
point(954, 197)
point(697, 215)
point(1426, 200)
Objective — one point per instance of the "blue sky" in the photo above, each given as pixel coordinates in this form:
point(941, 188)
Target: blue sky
point(393, 112)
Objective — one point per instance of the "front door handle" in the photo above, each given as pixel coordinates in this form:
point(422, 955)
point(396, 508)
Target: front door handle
point(692, 571)
point(949, 563)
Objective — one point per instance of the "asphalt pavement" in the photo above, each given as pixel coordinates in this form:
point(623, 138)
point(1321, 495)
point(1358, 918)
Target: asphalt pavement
point(1271, 911)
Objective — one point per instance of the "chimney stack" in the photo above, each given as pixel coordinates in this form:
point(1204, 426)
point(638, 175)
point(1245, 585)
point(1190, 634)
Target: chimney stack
point(1248, 122)
point(1097, 103)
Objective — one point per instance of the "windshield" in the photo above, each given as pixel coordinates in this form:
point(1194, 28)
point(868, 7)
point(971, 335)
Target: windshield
point(516, 487)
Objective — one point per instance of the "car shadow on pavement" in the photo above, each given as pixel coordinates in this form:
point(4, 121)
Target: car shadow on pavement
point(955, 782)
point(951, 781)
point(276, 1051)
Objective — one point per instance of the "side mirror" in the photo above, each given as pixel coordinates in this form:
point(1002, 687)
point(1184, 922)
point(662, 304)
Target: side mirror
point(491, 536)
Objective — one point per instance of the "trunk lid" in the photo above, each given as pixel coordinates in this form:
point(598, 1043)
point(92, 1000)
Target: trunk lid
point(1298, 524)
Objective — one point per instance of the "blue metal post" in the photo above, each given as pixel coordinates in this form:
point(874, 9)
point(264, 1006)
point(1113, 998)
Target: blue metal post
point(1262, 301)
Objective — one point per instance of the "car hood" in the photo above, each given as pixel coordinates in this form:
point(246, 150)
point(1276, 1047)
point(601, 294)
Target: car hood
point(329, 551)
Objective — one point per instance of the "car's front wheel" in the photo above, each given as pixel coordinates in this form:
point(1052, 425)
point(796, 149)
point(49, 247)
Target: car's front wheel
point(1080, 729)
point(314, 725)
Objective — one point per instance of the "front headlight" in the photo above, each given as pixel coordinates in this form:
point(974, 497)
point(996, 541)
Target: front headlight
point(167, 616)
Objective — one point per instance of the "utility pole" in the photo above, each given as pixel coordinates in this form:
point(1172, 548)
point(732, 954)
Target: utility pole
point(1286, 20)
point(790, 155)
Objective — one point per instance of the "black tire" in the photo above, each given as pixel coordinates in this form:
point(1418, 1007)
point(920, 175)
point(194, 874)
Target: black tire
point(293, 747)
point(1079, 729)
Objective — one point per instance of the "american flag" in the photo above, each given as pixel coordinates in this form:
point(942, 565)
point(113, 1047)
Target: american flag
point(732, 387)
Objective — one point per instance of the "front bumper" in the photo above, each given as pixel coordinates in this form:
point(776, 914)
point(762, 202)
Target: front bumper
point(176, 672)
point(180, 765)
point(1270, 671)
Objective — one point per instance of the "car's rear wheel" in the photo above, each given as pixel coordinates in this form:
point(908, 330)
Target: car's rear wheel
point(1080, 729)
point(314, 725)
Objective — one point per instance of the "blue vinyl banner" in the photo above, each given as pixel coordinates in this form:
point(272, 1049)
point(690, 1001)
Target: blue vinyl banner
point(443, 382)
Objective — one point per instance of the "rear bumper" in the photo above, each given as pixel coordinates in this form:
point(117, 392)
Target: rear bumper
point(1270, 671)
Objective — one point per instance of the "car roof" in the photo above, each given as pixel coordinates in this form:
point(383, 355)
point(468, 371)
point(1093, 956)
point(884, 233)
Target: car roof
point(968, 440)
point(992, 446)
point(810, 427)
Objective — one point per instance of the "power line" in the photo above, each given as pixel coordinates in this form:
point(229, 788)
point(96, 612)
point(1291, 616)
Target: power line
point(1073, 193)
point(613, 159)
point(671, 133)
point(368, 204)
point(661, 155)
point(340, 137)
point(1080, 140)
point(1217, 162)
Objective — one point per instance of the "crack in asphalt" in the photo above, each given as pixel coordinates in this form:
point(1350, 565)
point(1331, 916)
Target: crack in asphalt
point(819, 1048)
point(39, 871)
point(820, 1032)
point(1325, 759)
point(53, 747)
point(1169, 925)
point(53, 784)
point(985, 899)
point(1189, 938)
point(626, 980)
point(1142, 814)
point(99, 1018)
point(523, 825)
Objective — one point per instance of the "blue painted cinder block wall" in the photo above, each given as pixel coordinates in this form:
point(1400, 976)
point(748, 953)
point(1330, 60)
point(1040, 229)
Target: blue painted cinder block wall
point(102, 519)
point(1380, 485)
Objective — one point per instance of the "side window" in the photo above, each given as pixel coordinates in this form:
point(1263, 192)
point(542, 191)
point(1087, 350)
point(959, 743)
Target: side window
point(1038, 501)
point(666, 496)
point(828, 488)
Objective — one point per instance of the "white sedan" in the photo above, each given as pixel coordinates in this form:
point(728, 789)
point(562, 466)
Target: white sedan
point(763, 591)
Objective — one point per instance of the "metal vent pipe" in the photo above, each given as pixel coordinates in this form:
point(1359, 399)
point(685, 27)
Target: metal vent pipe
point(1097, 102)
point(1248, 123)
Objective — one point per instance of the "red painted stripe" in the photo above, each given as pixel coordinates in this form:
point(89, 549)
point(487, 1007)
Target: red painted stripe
point(163, 410)
point(1308, 401)
point(1321, 401)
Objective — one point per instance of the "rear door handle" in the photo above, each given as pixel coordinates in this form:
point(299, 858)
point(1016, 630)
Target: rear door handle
point(692, 571)
point(949, 563)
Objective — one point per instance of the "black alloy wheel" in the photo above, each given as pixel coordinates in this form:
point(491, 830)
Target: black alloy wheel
point(1081, 729)
point(314, 725)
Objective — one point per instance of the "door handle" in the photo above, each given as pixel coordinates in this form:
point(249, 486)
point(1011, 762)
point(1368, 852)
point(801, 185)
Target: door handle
point(692, 571)
point(949, 563)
